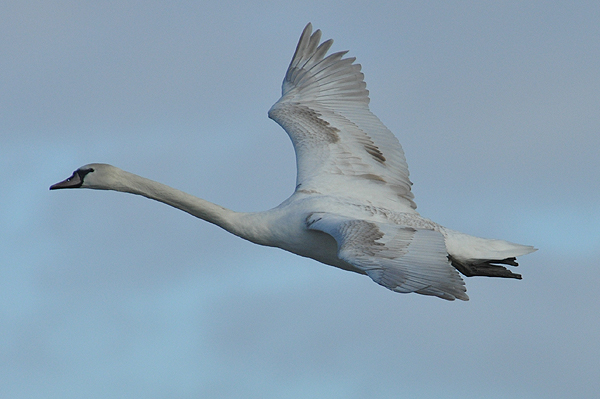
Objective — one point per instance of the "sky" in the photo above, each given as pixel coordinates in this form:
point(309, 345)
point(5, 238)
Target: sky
point(109, 295)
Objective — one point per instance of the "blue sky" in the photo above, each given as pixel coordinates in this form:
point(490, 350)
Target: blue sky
point(107, 295)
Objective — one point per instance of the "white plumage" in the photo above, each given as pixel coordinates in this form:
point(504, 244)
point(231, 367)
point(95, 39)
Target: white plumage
point(353, 207)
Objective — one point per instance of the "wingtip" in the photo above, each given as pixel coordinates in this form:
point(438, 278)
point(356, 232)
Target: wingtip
point(307, 31)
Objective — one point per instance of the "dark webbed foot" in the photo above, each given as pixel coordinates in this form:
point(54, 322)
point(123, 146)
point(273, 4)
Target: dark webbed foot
point(489, 268)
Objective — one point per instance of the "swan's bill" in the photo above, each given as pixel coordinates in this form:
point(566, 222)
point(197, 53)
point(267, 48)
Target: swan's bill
point(75, 181)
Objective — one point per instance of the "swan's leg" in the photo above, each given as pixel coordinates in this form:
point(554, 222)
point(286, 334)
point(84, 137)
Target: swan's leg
point(488, 268)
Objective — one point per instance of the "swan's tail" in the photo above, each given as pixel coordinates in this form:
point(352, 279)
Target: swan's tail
point(474, 256)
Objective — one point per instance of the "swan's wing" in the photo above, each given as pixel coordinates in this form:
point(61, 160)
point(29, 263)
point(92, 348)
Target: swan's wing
point(400, 258)
point(341, 147)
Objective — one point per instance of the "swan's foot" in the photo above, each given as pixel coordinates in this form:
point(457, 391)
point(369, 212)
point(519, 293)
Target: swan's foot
point(488, 268)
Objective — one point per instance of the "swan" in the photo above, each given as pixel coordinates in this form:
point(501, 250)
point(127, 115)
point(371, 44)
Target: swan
point(352, 207)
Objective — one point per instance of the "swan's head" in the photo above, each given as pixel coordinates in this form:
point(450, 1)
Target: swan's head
point(99, 176)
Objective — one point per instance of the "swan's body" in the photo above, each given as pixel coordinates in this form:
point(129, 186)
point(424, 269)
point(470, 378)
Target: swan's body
point(353, 207)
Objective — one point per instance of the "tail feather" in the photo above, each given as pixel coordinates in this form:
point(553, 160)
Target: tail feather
point(475, 256)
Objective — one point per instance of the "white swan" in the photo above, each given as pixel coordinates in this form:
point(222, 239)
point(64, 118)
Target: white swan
point(353, 207)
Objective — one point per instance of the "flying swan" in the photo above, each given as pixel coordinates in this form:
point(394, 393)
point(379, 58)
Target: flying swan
point(352, 207)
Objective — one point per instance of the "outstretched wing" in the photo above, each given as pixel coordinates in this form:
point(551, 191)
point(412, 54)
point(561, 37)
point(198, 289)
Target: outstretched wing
point(400, 258)
point(341, 147)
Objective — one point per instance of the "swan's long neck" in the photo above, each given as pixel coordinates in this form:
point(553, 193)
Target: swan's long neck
point(241, 224)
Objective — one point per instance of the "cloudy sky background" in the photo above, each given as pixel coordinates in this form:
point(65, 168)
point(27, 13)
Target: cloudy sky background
point(107, 295)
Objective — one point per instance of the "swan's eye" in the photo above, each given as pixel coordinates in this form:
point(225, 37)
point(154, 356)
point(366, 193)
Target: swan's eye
point(82, 173)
